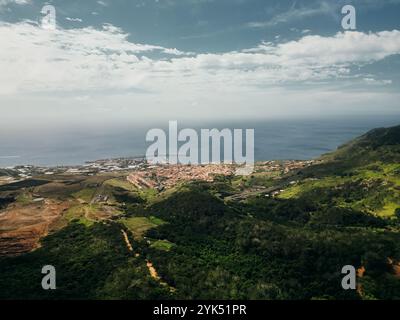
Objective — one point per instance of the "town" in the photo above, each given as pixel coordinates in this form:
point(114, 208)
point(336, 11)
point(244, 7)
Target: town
point(144, 174)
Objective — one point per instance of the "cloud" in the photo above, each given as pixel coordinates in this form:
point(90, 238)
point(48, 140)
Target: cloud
point(103, 60)
point(5, 3)
point(294, 14)
point(73, 59)
point(73, 19)
point(20, 2)
point(311, 58)
point(102, 3)
point(373, 81)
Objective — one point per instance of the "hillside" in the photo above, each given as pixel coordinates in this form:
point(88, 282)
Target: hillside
point(381, 144)
point(363, 174)
point(271, 235)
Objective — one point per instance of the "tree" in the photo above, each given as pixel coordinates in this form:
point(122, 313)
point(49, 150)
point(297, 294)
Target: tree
point(397, 213)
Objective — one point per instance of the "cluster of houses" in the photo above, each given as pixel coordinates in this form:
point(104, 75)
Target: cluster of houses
point(167, 176)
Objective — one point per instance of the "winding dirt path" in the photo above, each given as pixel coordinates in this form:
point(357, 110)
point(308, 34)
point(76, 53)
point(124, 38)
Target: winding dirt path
point(126, 239)
point(153, 272)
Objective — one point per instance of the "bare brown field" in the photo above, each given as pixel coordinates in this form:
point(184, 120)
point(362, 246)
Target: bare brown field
point(21, 227)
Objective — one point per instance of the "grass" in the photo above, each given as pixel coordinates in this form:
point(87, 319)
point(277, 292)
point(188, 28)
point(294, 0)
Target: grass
point(387, 173)
point(89, 214)
point(259, 179)
point(149, 195)
point(296, 190)
point(24, 198)
point(156, 221)
point(85, 194)
point(140, 225)
point(163, 245)
point(118, 183)
point(78, 213)
point(291, 192)
point(146, 194)
point(388, 210)
point(379, 170)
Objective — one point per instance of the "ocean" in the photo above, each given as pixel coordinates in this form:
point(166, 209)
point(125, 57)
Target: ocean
point(274, 140)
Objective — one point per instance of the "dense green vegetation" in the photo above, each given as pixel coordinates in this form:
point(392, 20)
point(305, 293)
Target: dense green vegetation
point(91, 262)
point(205, 244)
point(269, 254)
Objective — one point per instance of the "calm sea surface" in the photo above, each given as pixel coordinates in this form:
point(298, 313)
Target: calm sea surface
point(283, 139)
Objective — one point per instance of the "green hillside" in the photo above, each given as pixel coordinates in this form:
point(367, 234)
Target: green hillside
point(362, 175)
point(231, 240)
point(377, 145)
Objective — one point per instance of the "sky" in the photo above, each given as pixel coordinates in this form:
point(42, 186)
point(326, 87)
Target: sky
point(142, 61)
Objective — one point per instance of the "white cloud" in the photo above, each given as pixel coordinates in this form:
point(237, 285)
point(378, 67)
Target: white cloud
point(373, 81)
point(46, 69)
point(90, 59)
point(343, 48)
point(20, 2)
point(311, 58)
point(33, 59)
point(73, 19)
point(102, 3)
